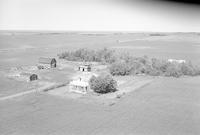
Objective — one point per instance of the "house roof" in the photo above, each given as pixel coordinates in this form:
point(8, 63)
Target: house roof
point(79, 83)
point(85, 66)
point(44, 60)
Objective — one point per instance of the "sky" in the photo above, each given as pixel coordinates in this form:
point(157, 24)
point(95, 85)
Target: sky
point(99, 15)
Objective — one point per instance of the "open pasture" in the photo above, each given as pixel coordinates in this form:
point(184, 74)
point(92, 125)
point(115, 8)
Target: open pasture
point(166, 106)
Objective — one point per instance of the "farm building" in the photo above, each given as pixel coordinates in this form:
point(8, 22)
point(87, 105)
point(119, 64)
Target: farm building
point(176, 61)
point(45, 63)
point(79, 86)
point(85, 68)
point(80, 83)
point(28, 76)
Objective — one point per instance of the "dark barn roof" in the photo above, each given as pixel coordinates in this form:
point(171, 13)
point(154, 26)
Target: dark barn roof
point(43, 60)
point(27, 74)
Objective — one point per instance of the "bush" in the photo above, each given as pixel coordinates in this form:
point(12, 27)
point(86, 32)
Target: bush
point(103, 83)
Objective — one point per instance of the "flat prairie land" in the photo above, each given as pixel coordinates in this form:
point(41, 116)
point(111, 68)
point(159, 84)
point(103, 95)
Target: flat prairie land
point(166, 106)
point(24, 48)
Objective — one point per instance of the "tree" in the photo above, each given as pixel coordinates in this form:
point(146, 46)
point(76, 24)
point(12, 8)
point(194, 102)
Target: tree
point(120, 68)
point(103, 83)
point(173, 70)
point(124, 63)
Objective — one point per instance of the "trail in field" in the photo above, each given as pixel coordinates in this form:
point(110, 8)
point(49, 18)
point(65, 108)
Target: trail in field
point(26, 92)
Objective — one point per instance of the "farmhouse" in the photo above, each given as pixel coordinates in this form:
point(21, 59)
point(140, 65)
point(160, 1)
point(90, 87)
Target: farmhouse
point(80, 83)
point(79, 86)
point(28, 77)
point(85, 68)
point(45, 63)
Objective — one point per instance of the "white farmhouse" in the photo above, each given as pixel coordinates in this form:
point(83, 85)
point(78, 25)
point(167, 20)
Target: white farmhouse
point(79, 86)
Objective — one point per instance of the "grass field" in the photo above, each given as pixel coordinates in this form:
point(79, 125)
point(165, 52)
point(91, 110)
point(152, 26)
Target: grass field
point(12, 85)
point(166, 106)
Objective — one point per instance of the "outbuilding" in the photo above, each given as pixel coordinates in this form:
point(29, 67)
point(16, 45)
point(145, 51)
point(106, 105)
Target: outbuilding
point(85, 68)
point(176, 61)
point(45, 63)
point(28, 76)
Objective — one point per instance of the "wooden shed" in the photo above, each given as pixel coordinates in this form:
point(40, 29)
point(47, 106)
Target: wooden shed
point(85, 68)
point(45, 63)
point(28, 76)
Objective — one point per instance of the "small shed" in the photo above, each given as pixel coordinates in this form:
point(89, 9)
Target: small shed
point(79, 86)
point(176, 61)
point(28, 76)
point(85, 68)
point(45, 63)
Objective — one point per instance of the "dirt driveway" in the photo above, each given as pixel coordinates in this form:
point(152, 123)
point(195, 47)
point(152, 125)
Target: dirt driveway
point(168, 106)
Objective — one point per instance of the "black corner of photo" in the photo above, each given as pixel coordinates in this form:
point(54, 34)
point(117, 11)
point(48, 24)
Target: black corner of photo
point(183, 2)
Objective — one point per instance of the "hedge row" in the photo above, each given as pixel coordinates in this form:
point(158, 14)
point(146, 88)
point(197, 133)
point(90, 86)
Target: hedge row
point(103, 55)
point(126, 64)
point(154, 67)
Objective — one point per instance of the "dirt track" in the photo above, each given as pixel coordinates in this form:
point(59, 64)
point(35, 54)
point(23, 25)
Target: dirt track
point(167, 106)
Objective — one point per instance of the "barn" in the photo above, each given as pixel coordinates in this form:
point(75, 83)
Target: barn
point(28, 76)
point(45, 63)
point(85, 68)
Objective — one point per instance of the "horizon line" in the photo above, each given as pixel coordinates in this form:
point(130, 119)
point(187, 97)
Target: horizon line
point(108, 31)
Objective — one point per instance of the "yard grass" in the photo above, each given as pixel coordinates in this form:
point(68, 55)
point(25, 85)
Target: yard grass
point(11, 86)
point(126, 85)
